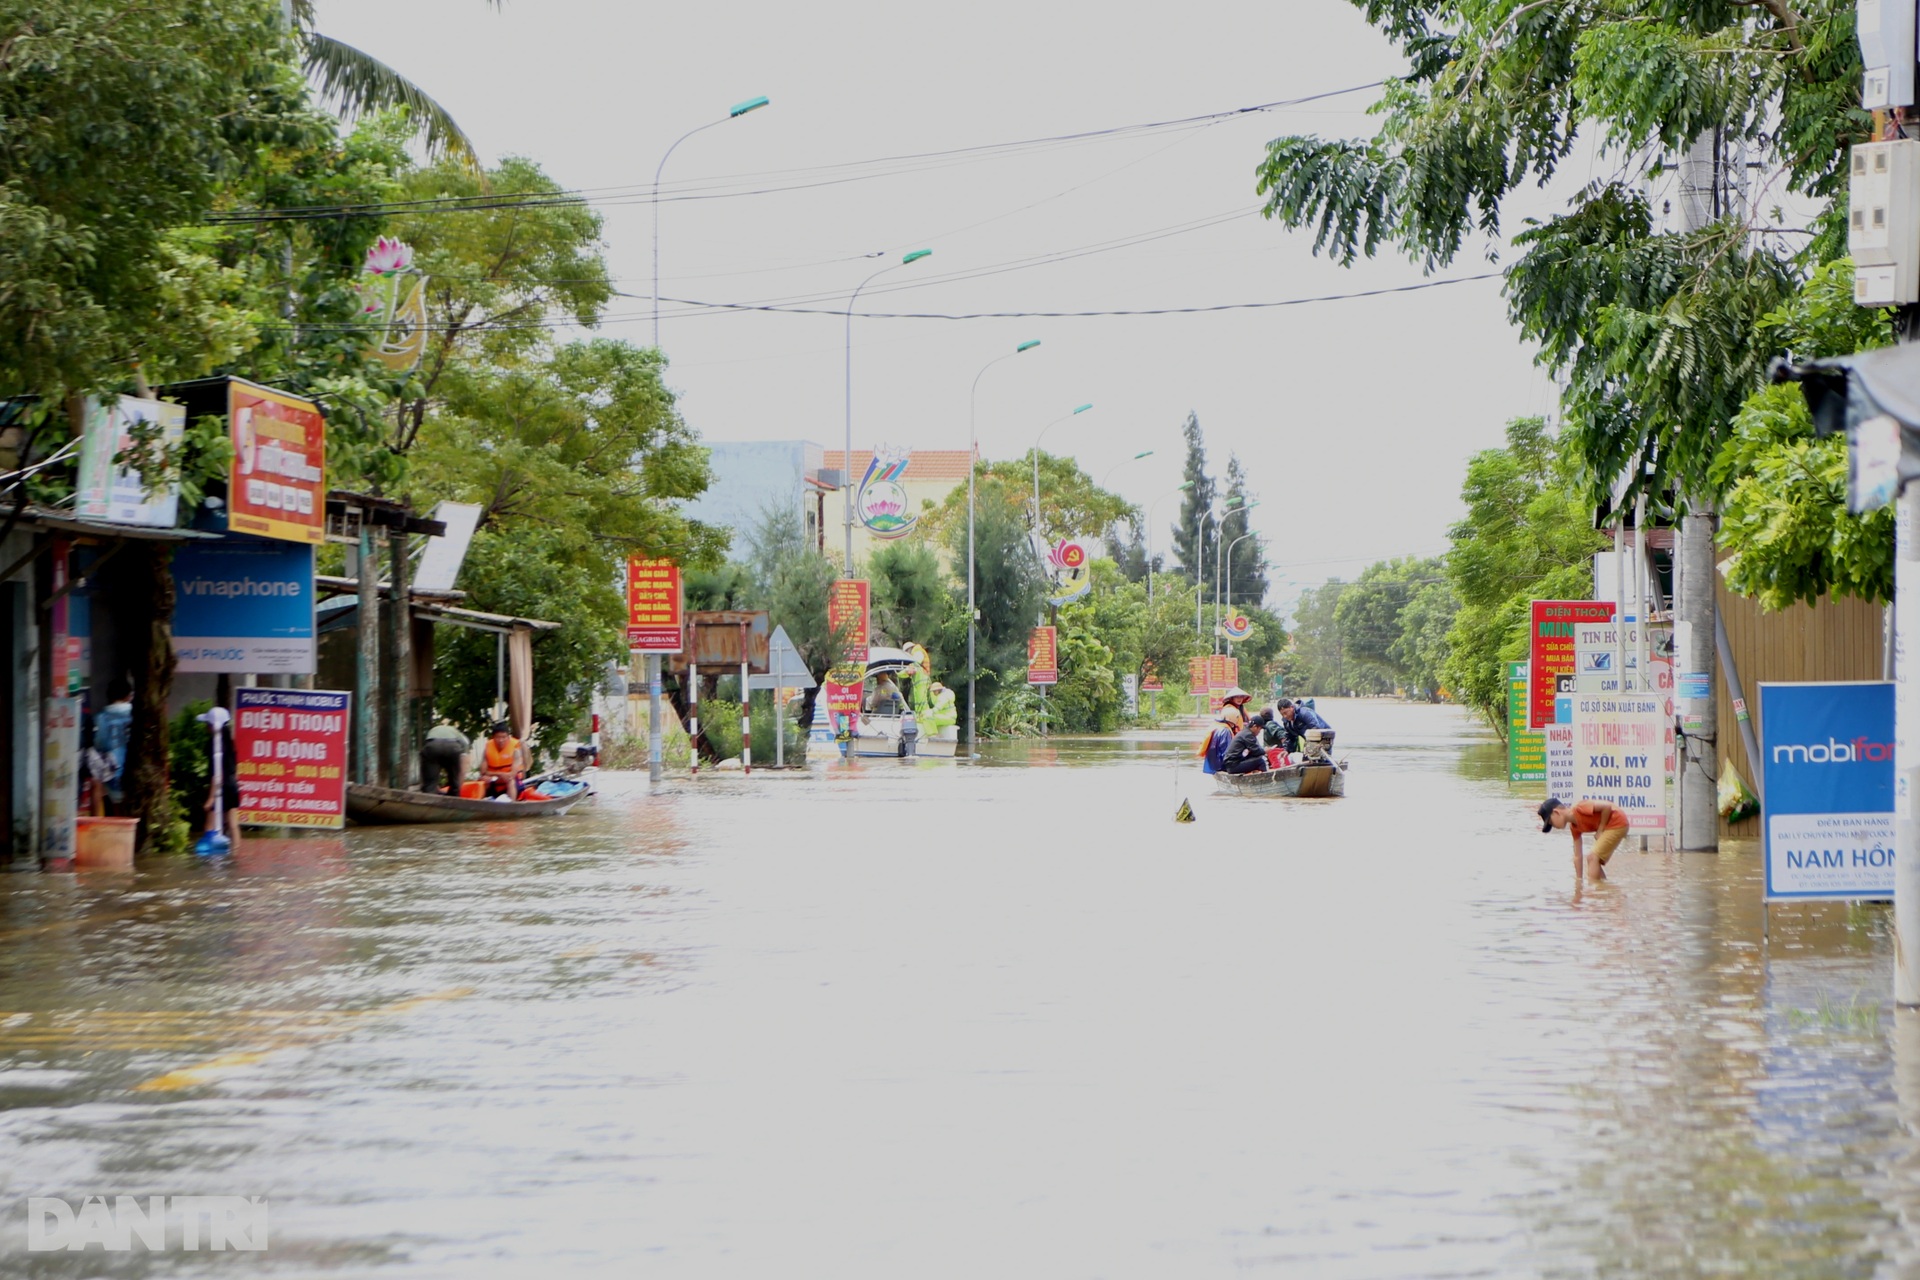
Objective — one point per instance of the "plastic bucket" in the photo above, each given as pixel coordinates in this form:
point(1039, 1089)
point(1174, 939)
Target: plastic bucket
point(105, 842)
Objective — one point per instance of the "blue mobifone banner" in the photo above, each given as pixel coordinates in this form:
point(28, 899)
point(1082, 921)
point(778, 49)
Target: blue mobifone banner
point(1828, 775)
point(243, 604)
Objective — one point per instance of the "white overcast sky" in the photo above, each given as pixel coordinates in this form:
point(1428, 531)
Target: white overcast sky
point(1353, 418)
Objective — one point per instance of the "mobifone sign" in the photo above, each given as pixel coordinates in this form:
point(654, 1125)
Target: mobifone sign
point(1828, 770)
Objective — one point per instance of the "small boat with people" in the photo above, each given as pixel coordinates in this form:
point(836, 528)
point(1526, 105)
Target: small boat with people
point(904, 712)
point(545, 797)
point(1285, 751)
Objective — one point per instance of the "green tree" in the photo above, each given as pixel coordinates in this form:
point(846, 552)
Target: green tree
point(1317, 660)
point(790, 580)
point(1659, 333)
point(362, 84)
point(1783, 510)
point(1527, 535)
point(1421, 651)
point(527, 571)
point(1071, 504)
point(1247, 565)
point(1370, 622)
point(911, 598)
point(586, 439)
point(499, 281)
point(120, 124)
point(1009, 595)
point(1192, 542)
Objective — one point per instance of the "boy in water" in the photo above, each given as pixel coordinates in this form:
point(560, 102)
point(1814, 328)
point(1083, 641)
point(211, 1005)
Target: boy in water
point(1596, 818)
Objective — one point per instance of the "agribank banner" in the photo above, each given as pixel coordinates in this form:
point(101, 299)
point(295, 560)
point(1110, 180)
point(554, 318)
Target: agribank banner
point(243, 604)
point(1828, 770)
point(292, 749)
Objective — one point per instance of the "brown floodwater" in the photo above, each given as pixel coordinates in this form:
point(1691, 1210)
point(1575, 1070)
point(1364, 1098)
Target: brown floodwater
point(1004, 1020)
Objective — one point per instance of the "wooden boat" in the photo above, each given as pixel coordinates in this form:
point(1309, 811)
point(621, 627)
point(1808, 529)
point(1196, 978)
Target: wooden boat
point(373, 806)
point(1306, 781)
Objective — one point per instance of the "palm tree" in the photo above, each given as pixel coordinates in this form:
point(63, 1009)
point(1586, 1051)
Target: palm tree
point(359, 83)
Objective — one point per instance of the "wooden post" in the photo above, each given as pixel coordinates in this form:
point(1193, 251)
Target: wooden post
point(402, 756)
point(366, 737)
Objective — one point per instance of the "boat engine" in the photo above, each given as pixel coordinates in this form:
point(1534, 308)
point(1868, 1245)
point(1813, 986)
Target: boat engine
point(1316, 747)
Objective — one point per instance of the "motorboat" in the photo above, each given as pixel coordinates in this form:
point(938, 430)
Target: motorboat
point(1313, 774)
point(891, 730)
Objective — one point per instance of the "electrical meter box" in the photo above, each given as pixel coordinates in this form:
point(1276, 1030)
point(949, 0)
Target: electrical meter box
point(1887, 51)
point(1883, 222)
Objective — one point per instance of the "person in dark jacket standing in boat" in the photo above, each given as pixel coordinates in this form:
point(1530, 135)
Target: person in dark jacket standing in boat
point(1299, 719)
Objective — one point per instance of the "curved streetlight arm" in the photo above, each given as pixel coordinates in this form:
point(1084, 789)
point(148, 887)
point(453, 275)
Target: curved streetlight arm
point(1151, 508)
point(846, 459)
point(1037, 535)
point(738, 110)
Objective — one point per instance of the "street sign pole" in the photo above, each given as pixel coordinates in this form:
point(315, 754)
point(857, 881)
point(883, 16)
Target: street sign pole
point(656, 766)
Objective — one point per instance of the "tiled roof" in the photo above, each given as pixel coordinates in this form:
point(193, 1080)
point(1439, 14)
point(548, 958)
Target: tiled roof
point(924, 464)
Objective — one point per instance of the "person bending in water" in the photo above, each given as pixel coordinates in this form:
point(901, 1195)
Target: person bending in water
point(1596, 818)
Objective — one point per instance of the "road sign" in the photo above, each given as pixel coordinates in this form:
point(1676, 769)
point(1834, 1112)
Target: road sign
point(785, 668)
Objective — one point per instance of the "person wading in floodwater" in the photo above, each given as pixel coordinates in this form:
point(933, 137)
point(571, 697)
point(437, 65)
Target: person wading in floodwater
point(1596, 818)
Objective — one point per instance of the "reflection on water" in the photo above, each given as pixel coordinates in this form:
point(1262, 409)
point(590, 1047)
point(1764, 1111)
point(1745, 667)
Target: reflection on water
point(909, 1019)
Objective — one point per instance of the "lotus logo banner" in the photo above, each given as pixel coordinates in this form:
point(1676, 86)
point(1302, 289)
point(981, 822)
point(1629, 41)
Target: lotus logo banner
point(394, 298)
point(1072, 571)
point(882, 503)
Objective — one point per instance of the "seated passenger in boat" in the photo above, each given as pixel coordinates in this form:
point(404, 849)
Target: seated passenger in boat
point(1246, 754)
point(503, 764)
point(1225, 728)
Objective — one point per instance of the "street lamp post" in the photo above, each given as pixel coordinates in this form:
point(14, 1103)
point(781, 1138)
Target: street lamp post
point(1182, 487)
point(1200, 567)
point(1144, 453)
point(1226, 562)
point(846, 459)
point(973, 611)
point(1036, 467)
point(733, 113)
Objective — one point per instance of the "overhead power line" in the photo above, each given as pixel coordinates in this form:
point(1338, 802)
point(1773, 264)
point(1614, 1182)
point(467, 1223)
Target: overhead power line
point(764, 182)
point(697, 307)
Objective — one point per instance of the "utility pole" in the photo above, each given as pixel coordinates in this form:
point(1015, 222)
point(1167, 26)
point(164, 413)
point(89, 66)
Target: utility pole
point(1885, 253)
point(1696, 579)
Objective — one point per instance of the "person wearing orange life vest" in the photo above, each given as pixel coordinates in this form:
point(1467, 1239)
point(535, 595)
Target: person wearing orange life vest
point(504, 763)
point(1226, 727)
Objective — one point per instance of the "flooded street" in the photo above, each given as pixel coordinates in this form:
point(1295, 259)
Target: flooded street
point(1008, 1020)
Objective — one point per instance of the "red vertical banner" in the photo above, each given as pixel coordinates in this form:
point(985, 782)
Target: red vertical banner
point(1550, 649)
point(849, 603)
point(1197, 675)
point(656, 610)
point(1043, 656)
point(290, 749)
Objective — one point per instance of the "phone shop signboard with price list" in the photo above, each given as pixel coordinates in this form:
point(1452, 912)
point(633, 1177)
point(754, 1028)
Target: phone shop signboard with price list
point(277, 487)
